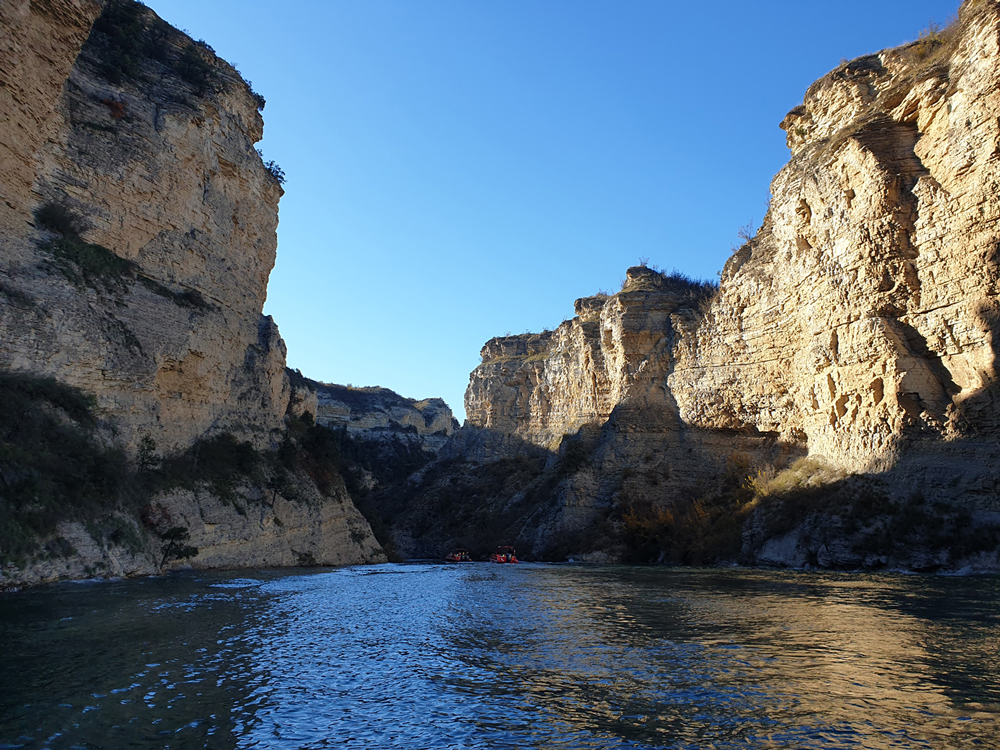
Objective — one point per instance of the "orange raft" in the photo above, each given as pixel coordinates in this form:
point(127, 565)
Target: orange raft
point(504, 555)
point(459, 555)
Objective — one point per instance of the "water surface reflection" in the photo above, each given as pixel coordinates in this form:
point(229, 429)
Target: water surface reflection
point(474, 656)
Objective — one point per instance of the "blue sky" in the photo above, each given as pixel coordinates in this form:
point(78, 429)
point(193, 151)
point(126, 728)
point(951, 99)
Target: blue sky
point(460, 169)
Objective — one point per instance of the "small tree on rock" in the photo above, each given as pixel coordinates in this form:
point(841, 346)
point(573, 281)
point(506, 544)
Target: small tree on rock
point(176, 545)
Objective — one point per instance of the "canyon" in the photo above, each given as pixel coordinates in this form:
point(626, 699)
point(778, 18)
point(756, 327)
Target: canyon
point(832, 402)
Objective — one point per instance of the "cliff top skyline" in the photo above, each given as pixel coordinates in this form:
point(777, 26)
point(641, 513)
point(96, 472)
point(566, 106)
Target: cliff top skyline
point(456, 172)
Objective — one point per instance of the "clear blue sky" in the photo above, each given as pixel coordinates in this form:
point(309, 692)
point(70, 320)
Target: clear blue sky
point(459, 169)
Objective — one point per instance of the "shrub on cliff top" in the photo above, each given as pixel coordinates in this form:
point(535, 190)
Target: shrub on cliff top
point(272, 166)
point(196, 70)
point(935, 42)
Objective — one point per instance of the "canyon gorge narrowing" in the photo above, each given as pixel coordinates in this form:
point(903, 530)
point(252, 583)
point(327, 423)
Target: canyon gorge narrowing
point(831, 403)
point(836, 394)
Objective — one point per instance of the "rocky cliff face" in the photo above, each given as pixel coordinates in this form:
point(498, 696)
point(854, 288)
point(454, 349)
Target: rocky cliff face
point(618, 349)
point(861, 319)
point(138, 233)
point(854, 334)
point(142, 142)
point(256, 529)
point(374, 413)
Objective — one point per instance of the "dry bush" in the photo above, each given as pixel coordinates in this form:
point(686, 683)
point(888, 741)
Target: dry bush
point(803, 474)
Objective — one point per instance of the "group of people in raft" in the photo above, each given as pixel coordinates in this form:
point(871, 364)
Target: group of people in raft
point(503, 555)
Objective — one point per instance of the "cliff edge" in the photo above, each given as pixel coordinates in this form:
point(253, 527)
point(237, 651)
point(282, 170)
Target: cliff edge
point(832, 402)
point(144, 394)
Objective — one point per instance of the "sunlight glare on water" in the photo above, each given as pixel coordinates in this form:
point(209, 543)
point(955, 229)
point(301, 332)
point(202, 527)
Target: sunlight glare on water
point(481, 656)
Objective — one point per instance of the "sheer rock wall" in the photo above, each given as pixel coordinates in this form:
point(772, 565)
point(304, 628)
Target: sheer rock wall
point(861, 319)
point(857, 327)
point(163, 173)
point(152, 301)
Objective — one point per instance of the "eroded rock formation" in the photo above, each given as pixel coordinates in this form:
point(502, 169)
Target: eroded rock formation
point(137, 233)
point(149, 153)
point(374, 413)
point(856, 331)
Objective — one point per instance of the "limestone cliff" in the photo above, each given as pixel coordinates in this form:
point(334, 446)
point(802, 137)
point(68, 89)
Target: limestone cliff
point(861, 319)
point(850, 344)
point(141, 143)
point(254, 531)
point(137, 233)
point(373, 413)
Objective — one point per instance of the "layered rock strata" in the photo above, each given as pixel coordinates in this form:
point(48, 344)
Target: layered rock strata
point(138, 233)
point(857, 328)
point(256, 530)
point(374, 413)
point(149, 154)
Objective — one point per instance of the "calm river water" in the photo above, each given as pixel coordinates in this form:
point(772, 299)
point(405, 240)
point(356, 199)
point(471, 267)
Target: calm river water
point(480, 656)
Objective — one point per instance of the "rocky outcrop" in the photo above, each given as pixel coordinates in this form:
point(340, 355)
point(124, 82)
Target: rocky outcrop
point(254, 529)
point(618, 349)
point(146, 289)
point(855, 332)
point(373, 413)
point(138, 233)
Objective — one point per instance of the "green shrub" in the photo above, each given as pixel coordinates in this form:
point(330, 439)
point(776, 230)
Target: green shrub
point(121, 32)
point(196, 70)
point(52, 468)
point(272, 166)
point(258, 99)
point(176, 545)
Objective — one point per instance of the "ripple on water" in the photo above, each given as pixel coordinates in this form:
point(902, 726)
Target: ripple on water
point(478, 656)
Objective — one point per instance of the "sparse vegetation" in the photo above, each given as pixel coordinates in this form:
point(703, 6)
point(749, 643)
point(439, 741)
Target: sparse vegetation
point(58, 218)
point(196, 70)
point(86, 264)
point(126, 37)
point(272, 166)
point(122, 36)
point(745, 235)
point(935, 42)
point(700, 530)
point(260, 101)
point(52, 468)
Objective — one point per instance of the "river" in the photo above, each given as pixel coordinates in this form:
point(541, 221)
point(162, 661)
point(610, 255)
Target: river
point(479, 656)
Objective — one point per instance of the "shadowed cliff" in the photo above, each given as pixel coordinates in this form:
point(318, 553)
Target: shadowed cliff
point(848, 353)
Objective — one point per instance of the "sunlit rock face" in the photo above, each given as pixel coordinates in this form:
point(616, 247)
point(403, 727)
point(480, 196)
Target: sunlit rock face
point(857, 327)
point(862, 317)
point(618, 348)
point(862, 314)
point(154, 160)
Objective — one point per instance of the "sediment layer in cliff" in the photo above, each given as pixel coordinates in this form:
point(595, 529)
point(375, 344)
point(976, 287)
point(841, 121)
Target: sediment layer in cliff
point(138, 233)
point(139, 223)
point(846, 362)
point(373, 413)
